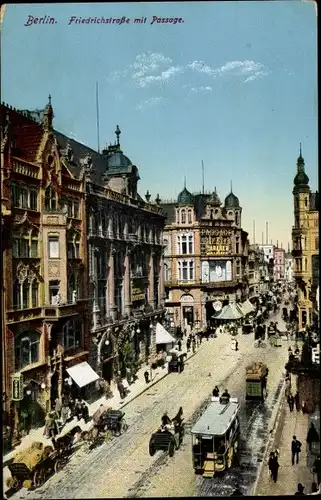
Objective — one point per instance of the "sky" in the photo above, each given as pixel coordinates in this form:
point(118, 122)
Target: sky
point(232, 84)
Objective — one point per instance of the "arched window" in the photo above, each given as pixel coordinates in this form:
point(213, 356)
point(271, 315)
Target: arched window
point(177, 216)
point(236, 218)
point(189, 216)
point(35, 293)
point(50, 199)
point(25, 294)
point(183, 216)
point(21, 244)
point(26, 349)
point(72, 334)
point(34, 243)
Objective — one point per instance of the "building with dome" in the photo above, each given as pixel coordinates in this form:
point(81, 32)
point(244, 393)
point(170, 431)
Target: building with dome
point(305, 245)
point(205, 256)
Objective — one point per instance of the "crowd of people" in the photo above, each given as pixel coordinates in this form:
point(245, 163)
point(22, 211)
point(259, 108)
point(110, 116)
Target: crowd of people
point(64, 411)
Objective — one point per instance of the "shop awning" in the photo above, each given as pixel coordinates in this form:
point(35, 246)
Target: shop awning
point(248, 307)
point(162, 335)
point(229, 312)
point(82, 374)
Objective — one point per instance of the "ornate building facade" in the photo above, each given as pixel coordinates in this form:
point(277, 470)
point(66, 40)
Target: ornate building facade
point(279, 264)
point(305, 244)
point(257, 273)
point(206, 256)
point(125, 258)
point(44, 289)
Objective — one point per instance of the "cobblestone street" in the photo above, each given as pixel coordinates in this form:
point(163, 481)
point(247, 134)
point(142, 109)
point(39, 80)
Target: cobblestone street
point(123, 467)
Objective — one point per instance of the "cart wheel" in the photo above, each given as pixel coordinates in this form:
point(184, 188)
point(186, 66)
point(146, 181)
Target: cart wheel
point(108, 435)
point(58, 465)
point(230, 456)
point(38, 478)
point(171, 448)
point(124, 426)
point(117, 431)
point(16, 484)
point(152, 449)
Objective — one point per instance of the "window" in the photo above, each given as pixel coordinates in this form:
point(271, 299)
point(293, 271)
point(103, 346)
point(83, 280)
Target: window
point(72, 334)
point(76, 209)
point(26, 349)
point(185, 244)
point(53, 247)
point(237, 247)
point(17, 302)
point(33, 197)
point(53, 292)
point(34, 244)
point(236, 218)
point(189, 216)
point(71, 289)
point(238, 268)
point(50, 199)
point(102, 297)
point(25, 295)
point(34, 293)
point(183, 216)
point(186, 270)
point(73, 246)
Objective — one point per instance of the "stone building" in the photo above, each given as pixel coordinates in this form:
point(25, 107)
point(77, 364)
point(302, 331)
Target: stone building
point(206, 256)
point(305, 244)
point(279, 264)
point(288, 266)
point(44, 287)
point(125, 256)
point(257, 272)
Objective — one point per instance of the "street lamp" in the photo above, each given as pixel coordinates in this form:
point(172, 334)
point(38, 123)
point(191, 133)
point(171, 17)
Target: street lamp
point(107, 342)
point(28, 392)
point(43, 385)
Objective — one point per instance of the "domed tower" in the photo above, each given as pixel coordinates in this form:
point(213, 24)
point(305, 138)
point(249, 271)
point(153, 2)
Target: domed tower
point(185, 207)
point(301, 193)
point(232, 208)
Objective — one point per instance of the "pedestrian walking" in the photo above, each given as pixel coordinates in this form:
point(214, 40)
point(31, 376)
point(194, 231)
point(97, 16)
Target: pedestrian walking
point(291, 401)
point(179, 343)
point(317, 469)
point(299, 492)
point(313, 436)
point(295, 449)
point(297, 401)
point(193, 344)
point(216, 392)
point(273, 466)
point(146, 376)
point(236, 345)
point(64, 413)
point(58, 406)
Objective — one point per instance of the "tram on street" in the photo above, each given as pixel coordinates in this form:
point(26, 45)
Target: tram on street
point(215, 437)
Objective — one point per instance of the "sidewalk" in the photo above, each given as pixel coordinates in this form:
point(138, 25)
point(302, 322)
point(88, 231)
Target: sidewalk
point(136, 389)
point(288, 425)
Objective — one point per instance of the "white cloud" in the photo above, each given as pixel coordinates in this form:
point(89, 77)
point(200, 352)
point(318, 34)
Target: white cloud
point(201, 67)
point(236, 68)
point(153, 101)
point(256, 75)
point(164, 77)
point(201, 89)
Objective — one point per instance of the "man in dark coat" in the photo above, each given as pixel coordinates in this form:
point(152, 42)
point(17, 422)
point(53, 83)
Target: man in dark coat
point(179, 343)
point(274, 467)
point(216, 392)
point(297, 401)
point(299, 493)
point(295, 449)
point(291, 402)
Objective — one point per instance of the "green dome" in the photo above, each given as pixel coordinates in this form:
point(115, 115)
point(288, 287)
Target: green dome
point(185, 197)
point(301, 179)
point(231, 201)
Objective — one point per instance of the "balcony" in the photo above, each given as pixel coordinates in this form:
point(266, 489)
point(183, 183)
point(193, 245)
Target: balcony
point(55, 311)
point(16, 316)
point(132, 237)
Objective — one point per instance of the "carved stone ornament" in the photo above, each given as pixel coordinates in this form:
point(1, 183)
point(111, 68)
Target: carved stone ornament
point(22, 272)
point(31, 275)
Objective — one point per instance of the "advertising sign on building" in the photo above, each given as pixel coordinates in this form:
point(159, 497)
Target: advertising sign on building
point(17, 387)
point(138, 290)
point(215, 241)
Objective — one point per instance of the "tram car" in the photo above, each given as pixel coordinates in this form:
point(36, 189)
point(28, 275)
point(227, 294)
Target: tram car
point(256, 381)
point(215, 437)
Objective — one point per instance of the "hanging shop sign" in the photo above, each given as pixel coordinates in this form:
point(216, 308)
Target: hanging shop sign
point(17, 387)
point(215, 241)
point(138, 290)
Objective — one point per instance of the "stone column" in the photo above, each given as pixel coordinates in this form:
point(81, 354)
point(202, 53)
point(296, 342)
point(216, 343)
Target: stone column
point(111, 283)
point(127, 295)
point(151, 297)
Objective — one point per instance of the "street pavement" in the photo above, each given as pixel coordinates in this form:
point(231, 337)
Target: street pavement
point(123, 467)
point(291, 424)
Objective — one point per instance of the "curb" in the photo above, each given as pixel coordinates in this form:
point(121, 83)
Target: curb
point(275, 421)
point(148, 386)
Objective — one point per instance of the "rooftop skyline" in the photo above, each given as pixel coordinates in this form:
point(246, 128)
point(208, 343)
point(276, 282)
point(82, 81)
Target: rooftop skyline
point(181, 93)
